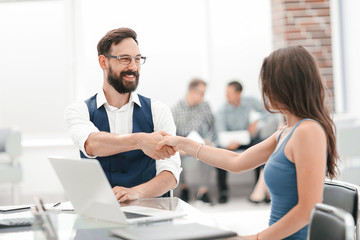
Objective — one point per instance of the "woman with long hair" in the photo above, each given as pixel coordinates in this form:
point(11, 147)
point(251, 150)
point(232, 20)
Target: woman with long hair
point(297, 156)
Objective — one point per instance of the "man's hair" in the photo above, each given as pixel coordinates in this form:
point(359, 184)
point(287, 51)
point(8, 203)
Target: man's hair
point(114, 37)
point(238, 87)
point(194, 83)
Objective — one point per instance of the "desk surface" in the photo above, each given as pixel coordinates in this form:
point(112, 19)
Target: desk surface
point(71, 226)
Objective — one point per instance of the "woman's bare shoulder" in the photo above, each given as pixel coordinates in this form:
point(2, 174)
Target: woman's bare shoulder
point(309, 132)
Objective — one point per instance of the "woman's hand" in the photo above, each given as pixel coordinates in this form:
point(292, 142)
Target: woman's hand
point(172, 141)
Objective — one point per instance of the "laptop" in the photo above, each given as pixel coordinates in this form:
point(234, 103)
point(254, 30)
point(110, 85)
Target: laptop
point(91, 195)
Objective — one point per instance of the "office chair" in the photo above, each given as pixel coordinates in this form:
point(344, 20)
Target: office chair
point(343, 195)
point(10, 168)
point(330, 223)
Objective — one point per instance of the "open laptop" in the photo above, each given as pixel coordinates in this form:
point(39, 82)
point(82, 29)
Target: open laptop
point(90, 193)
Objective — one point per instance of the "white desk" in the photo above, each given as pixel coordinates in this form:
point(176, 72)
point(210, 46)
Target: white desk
point(71, 226)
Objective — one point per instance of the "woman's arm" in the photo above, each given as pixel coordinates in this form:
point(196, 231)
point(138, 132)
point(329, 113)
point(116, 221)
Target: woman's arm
point(307, 149)
point(222, 158)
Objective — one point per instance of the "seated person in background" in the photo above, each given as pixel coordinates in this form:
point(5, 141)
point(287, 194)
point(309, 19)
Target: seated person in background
point(267, 127)
point(194, 114)
point(235, 115)
point(121, 128)
point(298, 156)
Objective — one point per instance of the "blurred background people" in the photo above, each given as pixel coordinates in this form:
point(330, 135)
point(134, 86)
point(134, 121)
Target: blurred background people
point(192, 115)
point(238, 114)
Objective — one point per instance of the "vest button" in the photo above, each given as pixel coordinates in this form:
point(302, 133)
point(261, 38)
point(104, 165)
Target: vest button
point(113, 170)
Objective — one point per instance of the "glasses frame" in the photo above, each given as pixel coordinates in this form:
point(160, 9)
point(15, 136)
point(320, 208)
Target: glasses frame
point(127, 56)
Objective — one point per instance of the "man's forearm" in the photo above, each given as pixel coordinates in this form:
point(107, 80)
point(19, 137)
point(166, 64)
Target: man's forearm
point(106, 144)
point(159, 185)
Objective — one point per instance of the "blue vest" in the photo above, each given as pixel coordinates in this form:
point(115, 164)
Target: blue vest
point(130, 168)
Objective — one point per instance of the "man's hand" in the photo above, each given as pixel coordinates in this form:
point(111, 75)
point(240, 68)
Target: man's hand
point(148, 143)
point(233, 146)
point(252, 128)
point(123, 194)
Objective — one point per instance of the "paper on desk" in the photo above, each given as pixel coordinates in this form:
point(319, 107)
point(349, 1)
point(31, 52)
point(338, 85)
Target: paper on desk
point(194, 135)
point(64, 206)
point(227, 137)
point(254, 116)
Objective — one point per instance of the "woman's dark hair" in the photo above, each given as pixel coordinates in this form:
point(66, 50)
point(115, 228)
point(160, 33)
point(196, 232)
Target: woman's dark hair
point(114, 36)
point(291, 81)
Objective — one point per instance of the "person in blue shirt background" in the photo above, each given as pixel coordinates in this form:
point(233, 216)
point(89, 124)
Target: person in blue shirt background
point(236, 115)
point(298, 156)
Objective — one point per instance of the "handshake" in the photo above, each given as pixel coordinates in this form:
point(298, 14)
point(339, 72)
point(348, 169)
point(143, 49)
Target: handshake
point(158, 145)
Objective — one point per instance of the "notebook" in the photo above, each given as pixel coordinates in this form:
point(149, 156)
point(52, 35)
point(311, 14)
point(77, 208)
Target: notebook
point(227, 137)
point(91, 195)
point(172, 232)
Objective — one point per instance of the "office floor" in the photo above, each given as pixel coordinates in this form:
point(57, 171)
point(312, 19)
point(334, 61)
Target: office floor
point(238, 215)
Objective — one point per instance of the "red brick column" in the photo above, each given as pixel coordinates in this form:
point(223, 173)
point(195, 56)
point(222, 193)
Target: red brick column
point(306, 23)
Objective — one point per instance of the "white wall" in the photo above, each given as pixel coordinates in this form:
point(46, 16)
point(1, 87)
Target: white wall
point(351, 52)
point(33, 73)
point(240, 37)
point(215, 40)
point(49, 56)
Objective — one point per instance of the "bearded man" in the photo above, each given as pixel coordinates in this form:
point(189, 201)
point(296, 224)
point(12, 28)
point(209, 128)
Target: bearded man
point(121, 128)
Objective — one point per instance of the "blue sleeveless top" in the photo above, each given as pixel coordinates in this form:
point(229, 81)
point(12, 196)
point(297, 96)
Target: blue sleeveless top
point(280, 178)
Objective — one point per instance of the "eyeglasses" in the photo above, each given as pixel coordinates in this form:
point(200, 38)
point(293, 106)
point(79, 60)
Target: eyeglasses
point(126, 59)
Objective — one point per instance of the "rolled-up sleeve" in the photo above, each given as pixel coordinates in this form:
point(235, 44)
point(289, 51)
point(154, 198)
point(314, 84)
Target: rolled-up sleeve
point(78, 123)
point(163, 120)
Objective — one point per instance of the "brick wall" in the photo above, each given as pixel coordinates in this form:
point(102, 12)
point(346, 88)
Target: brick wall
point(306, 23)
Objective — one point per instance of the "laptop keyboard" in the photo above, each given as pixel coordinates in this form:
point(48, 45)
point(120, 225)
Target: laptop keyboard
point(16, 222)
point(134, 215)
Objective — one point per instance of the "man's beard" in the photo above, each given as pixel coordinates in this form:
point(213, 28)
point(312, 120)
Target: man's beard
point(117, 82)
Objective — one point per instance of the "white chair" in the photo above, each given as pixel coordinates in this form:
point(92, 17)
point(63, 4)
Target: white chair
point(330, 223)
point(10, 168)
point(348, 137)
point(345, 119)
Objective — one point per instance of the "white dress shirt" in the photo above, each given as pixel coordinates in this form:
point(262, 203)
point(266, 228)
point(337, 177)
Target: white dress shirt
point(77, 120)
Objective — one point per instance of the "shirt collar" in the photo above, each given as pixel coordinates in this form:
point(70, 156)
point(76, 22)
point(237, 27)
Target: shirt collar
point(101, 99)
point(134, 97)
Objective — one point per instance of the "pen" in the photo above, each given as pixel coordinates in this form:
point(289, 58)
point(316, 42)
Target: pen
point(42, 205)
point(46, 222)
point(56, 204)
